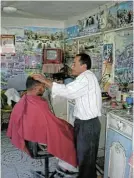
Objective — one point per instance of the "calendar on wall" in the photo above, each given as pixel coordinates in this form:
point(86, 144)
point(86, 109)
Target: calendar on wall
point(7, 44)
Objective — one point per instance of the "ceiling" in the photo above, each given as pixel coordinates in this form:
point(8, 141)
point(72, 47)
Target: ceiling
point(52, 10)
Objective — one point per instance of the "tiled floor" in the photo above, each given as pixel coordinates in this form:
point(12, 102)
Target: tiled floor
point(16, 164)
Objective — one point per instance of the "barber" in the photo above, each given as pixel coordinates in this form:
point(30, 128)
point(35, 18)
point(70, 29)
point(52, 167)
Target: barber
point(87, 94)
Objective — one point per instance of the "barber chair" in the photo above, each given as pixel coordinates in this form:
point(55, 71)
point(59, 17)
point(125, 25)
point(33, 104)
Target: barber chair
point(38, 151)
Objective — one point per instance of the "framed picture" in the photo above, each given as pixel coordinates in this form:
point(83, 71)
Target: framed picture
point(108, 53)
point(7, 45)
point(88, 25)
point(70, 111)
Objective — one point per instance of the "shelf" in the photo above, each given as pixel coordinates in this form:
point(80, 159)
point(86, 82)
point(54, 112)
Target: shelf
point(119, 29)
point(101, 33)
point(79, 37)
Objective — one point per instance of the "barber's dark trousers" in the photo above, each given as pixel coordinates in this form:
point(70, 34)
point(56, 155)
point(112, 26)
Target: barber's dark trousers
point(87, 134)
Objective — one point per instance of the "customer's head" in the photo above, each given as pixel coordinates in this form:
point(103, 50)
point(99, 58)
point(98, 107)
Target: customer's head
point(82, 62)
point(34, 87)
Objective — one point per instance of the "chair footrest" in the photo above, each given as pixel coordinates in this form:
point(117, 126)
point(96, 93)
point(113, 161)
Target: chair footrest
point(38, 174)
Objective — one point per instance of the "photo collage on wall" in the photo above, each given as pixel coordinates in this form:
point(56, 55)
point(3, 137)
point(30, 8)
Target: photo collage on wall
point(13, 65)
point(71, 49)
point(112, 18)
point(29, 43)
point(93, 47)
point(125, 13)
point(116, 16)
point(88, 25)
point(102, 19)
point(120, 15)
point(71, 32)
point(39, 37)
point(124, 57)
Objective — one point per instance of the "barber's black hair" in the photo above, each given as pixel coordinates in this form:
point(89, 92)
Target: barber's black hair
point(30, 83)
point(85, 59)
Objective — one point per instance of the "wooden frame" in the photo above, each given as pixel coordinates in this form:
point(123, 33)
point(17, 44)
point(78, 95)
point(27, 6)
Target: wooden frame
point(57, 60)
point(7, 45)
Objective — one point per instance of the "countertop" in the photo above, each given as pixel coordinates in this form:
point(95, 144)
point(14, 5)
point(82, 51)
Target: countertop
point(119, 111)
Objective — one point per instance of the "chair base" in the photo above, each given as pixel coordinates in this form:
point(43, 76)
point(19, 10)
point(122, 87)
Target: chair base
point(38, 174)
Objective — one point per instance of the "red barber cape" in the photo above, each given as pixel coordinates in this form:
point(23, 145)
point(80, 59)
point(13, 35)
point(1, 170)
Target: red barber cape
point(32, 120)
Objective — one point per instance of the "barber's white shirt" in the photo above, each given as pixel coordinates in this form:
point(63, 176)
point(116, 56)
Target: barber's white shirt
point(86, 92)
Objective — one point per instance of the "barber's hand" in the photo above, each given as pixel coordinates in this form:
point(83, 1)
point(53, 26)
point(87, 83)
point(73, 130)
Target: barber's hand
point(42, 79)
point(39, 77)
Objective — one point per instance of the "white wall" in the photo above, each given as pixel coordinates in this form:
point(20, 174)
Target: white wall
point(22, 22)
point(73, 21)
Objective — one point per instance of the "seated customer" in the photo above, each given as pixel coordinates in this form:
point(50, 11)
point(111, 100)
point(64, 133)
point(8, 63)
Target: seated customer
point(32, 120)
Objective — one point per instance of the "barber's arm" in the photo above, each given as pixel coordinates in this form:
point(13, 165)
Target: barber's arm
point(72, 90)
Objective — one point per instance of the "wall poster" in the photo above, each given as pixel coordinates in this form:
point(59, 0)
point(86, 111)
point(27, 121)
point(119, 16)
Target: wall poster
point(18, 32)
point(71, 32)
point(102, 16)
point(120, 15)
point(93, 47)
point(124, 56)
point(112, 20)
point(39, 37)
point(107, 65)
point(29, 42)
point(71, 49)
point(88, 25)
point(125, 13)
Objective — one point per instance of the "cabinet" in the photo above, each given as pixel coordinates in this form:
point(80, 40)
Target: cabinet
point(118, 146)
point(101, 149)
